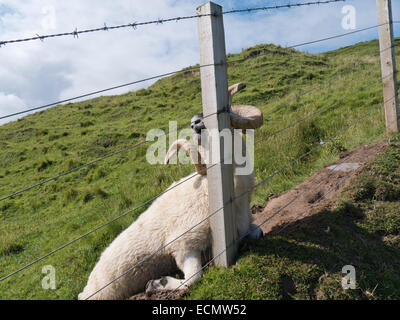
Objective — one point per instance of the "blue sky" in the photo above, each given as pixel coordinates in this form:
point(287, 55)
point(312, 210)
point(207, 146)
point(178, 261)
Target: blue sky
point(35, 73)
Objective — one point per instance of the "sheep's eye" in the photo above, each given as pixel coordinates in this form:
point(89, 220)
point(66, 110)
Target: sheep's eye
point(197, 121)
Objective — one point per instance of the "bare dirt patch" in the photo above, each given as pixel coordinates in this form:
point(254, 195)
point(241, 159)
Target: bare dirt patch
point(160, 295)
point(316, 193)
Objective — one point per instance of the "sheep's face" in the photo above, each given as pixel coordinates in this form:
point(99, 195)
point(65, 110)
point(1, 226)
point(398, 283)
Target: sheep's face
point(197, 124)
point(242, 117)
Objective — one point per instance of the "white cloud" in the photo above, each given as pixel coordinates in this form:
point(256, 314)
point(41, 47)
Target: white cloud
point(12, 104)
point(59, 68)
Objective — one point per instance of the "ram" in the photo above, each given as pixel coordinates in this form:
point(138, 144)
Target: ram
point(175, 230)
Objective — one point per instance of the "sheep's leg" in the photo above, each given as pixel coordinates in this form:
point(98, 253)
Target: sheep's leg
point(191, 268)
point(245, 228)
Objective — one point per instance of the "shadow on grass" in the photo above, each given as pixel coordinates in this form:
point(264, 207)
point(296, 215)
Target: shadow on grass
point(349, 242)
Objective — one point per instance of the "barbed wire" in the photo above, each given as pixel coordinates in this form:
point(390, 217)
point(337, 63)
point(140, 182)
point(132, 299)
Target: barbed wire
point(297, 196)
point(185, 70)
point(161, 75)
point(134, 25)
point(188, 69)
point(281, 6)
point(76, 32)
point(178, 71)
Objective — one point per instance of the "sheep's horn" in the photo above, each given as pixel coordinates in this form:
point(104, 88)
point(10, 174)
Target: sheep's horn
point(234, 89)
point(243, 117)
point(193, 153)
point(246, 117)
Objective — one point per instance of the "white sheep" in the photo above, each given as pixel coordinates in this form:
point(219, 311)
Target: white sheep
point(169, 217)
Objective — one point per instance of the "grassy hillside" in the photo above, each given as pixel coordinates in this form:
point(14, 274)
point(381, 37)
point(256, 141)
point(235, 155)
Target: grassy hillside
point(47, 143)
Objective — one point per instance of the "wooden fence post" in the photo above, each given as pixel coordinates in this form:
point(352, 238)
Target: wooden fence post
point(388, 65)
point(214, 83)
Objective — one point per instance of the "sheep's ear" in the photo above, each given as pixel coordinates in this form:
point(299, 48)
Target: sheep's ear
point(246, 117)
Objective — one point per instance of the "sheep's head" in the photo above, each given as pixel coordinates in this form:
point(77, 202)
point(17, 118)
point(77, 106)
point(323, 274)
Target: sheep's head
point(197, 124)
point(242, 117)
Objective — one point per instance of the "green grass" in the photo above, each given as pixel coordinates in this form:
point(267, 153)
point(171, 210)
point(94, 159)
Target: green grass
point(305, 262)
point(49, 142)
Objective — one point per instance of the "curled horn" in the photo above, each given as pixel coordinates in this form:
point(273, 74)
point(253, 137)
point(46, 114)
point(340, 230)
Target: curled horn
point(193, 153)
point(234, 89)
point(243, 116)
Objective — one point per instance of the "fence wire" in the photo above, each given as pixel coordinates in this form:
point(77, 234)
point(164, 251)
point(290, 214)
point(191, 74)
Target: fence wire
point(98, 228)
point(152, 199)
point(143, 142)
point(97, 160)
point(185, 125)
point(324, 83)
point(84, 166)
point(105, 90)
point(308, 43)
point(323, 109)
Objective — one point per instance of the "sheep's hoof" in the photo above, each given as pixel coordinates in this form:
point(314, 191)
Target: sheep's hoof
point(255, 232)
point(156, 285)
